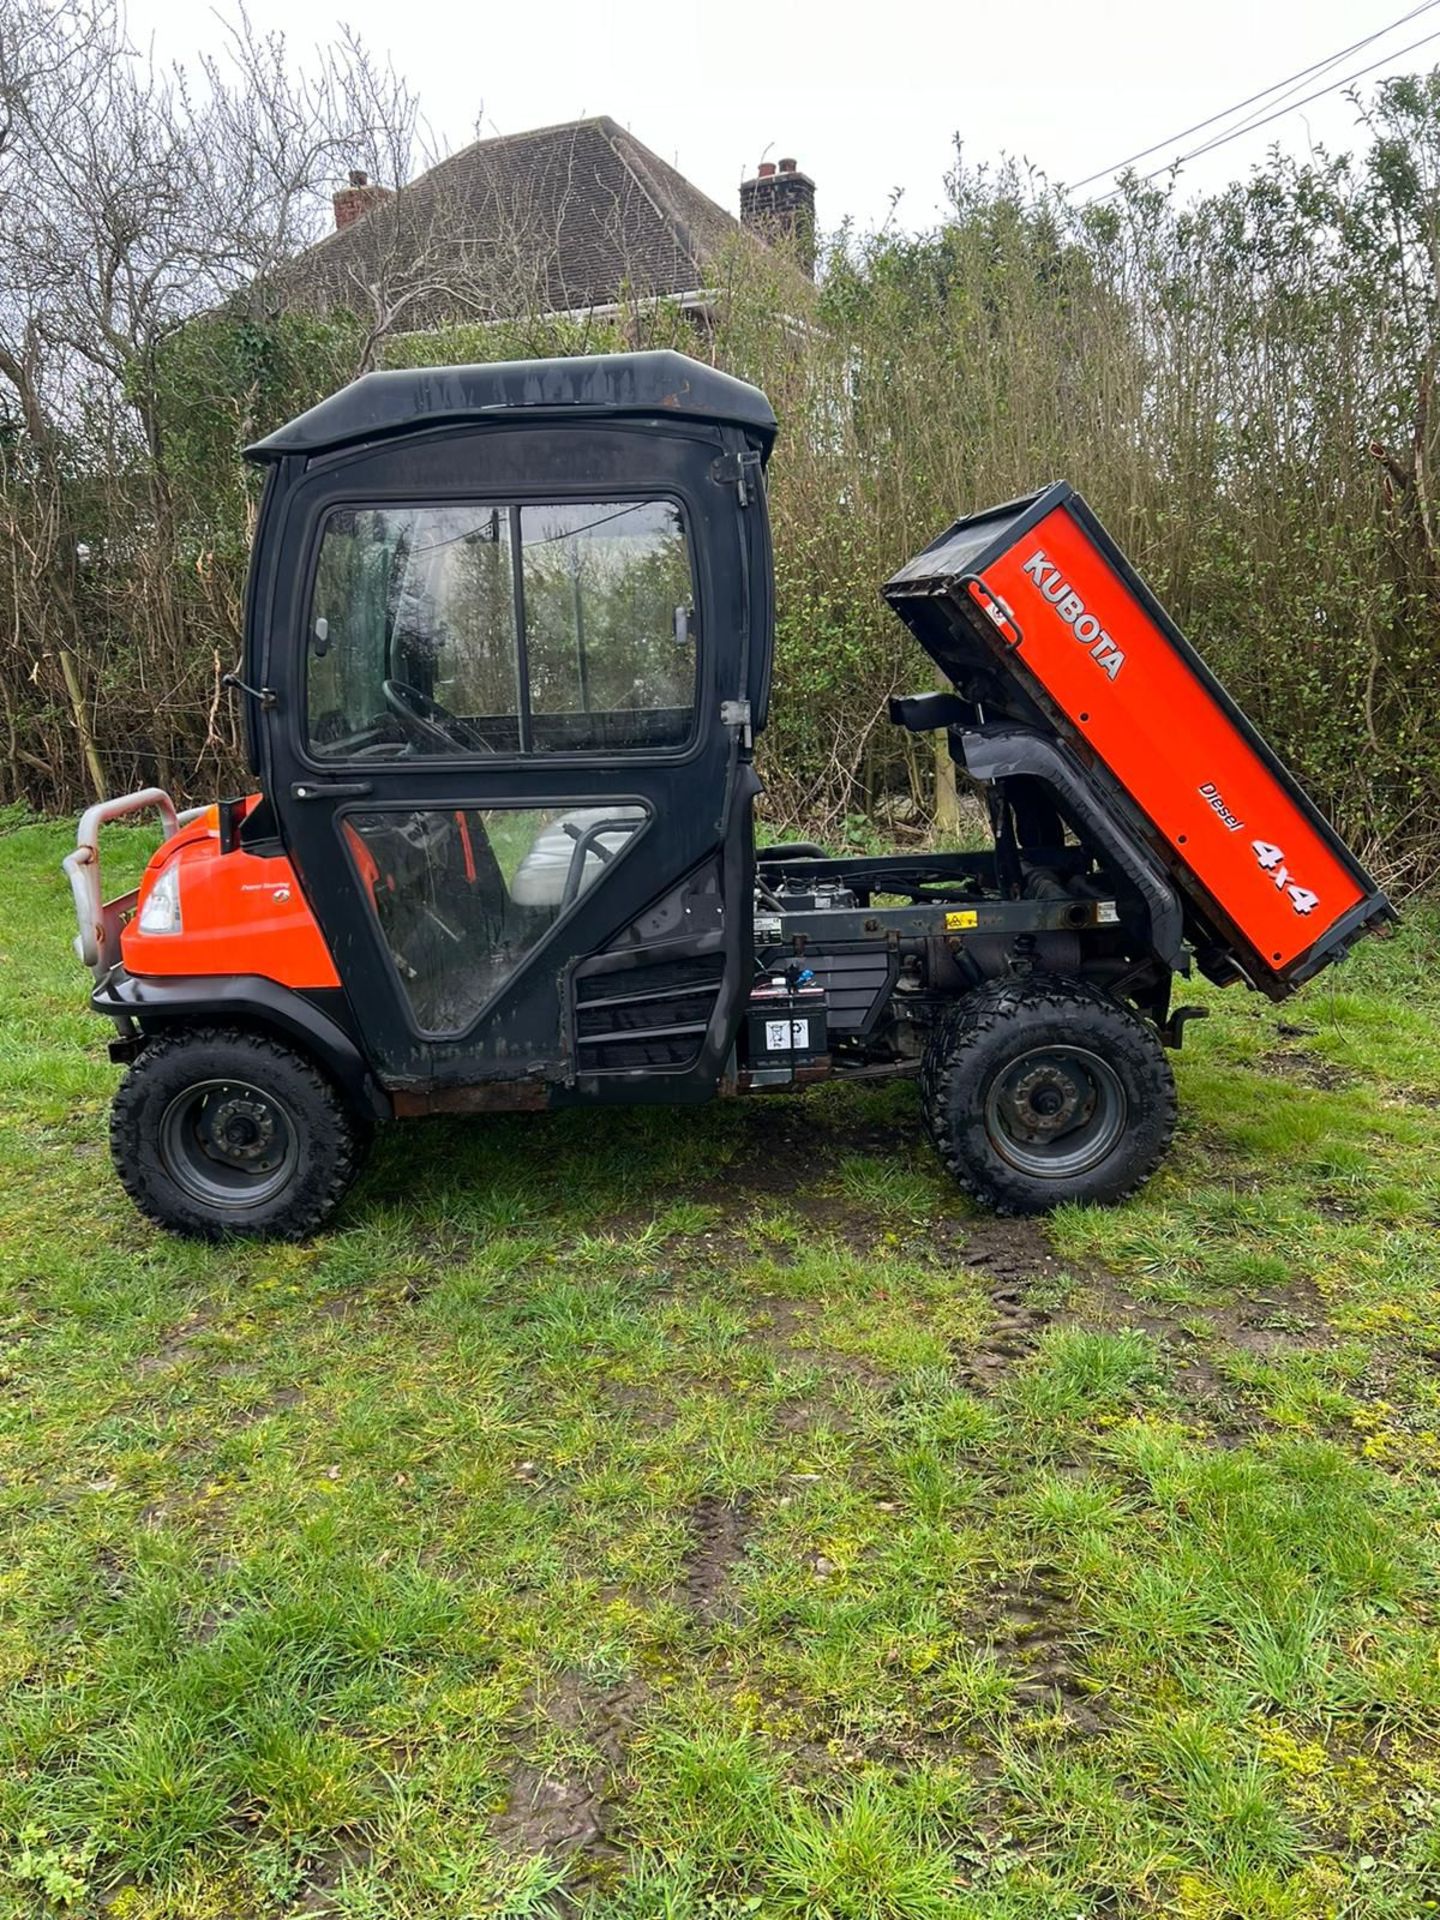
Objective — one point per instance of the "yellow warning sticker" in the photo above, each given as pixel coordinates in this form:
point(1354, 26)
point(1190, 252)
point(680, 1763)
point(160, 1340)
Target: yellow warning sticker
point(957, 922)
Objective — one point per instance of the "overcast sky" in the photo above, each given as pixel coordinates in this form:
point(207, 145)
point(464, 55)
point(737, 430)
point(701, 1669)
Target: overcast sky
point(868, 98)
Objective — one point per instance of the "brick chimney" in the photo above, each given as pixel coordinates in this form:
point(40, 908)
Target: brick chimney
point(779, 206)
point(357, 198)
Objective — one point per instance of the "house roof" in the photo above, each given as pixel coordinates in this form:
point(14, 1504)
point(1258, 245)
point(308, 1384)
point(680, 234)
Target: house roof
point(662, 383)
point(558, 219)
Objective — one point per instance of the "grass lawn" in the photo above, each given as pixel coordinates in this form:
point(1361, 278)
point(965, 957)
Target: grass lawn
point(711, 1514)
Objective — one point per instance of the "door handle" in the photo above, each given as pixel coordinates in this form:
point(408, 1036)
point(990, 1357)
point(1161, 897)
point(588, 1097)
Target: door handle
point(327, 790)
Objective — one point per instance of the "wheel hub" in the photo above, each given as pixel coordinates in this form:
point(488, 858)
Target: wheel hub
point(228, 1144)
point(241, 1129)
point(1046, 1100)
point(1055, 1111)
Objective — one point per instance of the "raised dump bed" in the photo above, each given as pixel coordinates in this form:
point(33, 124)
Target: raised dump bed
point(1038, 590)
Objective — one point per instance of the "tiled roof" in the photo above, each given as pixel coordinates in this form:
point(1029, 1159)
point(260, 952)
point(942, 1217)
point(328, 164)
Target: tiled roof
point(557, 219)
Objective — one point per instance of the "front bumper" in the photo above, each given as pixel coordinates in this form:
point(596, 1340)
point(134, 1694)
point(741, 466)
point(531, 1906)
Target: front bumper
point(99, 921)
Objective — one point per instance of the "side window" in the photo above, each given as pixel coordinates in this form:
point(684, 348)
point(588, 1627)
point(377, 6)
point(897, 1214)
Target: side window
point(416, 644)
point(412, 644)
point(348, 623)
point(609, 626)
point(464, 896)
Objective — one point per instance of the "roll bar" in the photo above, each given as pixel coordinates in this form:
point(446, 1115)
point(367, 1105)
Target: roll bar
point(100, 921)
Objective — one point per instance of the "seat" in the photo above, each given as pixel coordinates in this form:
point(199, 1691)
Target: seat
point(570, 854)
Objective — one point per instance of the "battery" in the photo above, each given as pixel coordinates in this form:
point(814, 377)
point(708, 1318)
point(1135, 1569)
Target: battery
point(785, 1027)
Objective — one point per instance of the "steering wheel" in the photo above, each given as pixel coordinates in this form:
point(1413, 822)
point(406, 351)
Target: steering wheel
point(430, 723)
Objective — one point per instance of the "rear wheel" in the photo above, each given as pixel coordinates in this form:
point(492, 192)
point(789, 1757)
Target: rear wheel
point(1044, 1090)
point(218, 1131)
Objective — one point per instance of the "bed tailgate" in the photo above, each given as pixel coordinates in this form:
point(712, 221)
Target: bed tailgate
point(1040, 586)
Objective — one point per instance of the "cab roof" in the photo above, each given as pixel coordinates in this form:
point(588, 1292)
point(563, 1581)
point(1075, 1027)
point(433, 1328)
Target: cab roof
point(604, 385)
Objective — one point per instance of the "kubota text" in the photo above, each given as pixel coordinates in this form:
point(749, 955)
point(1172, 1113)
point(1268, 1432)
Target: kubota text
point(1071, 609)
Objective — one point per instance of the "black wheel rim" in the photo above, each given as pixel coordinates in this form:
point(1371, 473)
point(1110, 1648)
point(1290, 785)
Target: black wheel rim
point(228, 1144)
point(1056, 1112)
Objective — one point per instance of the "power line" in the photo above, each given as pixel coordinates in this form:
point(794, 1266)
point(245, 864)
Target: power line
point(1253, 126)
point(1264, 94)
point(1285, 101)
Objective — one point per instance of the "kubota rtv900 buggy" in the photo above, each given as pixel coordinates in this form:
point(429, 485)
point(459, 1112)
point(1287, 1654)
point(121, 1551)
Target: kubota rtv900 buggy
point(507, 652)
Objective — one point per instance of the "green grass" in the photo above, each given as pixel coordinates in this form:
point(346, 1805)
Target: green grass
point(664, 1516)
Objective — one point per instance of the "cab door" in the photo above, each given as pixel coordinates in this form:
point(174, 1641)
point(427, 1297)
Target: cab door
point(508, 753)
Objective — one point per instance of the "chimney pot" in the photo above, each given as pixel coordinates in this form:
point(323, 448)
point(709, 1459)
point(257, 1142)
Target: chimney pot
point(778, 204)
point(357, 198)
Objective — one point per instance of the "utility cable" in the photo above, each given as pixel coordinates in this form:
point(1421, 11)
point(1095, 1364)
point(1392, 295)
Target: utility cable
point(1264, 94)
point(1254, 126)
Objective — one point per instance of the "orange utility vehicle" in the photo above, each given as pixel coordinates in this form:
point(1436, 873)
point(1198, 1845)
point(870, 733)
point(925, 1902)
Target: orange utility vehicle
point(507, 652)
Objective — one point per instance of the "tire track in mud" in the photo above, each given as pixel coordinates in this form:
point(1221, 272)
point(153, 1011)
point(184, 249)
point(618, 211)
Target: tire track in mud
point(1008, 1254)
point(720, 1529)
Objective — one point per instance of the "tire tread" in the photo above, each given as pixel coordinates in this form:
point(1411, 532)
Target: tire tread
point(948, 1064)
point(308, 1204)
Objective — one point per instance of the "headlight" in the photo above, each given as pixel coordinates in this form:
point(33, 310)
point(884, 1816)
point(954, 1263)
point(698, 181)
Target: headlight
point(161, 911)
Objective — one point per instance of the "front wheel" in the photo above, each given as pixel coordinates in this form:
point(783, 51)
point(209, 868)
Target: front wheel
point(219, 1131)
point(1043, 1090)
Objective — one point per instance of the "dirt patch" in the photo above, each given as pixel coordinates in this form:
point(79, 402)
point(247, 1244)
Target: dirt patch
point(206, 1624)
point(174, 1349)
point(639, 1406)
point(1417, 1097)
point(1214, 1403)
point(780, 1155)
point(327, 1875)
point(842, 1367)
point(168, 1508)
point(813, 1416)
point(1335, 1206)
point(1298, 1063)
point(1013, 1337)
point(548, 1813)
point(787, 1158)
point(1281, 1320)
point(788, 1321)
point(720, 1529)
point(1284, 1319)
point(1007, 1249)
point(565, 1809)
point(790, 1329)
point(278, 1402)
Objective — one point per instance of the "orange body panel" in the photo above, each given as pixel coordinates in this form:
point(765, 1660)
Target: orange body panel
point(240, 914)
point(1169, 741)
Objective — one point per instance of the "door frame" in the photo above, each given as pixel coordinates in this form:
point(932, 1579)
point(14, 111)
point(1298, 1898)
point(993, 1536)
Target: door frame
point(697, 795)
